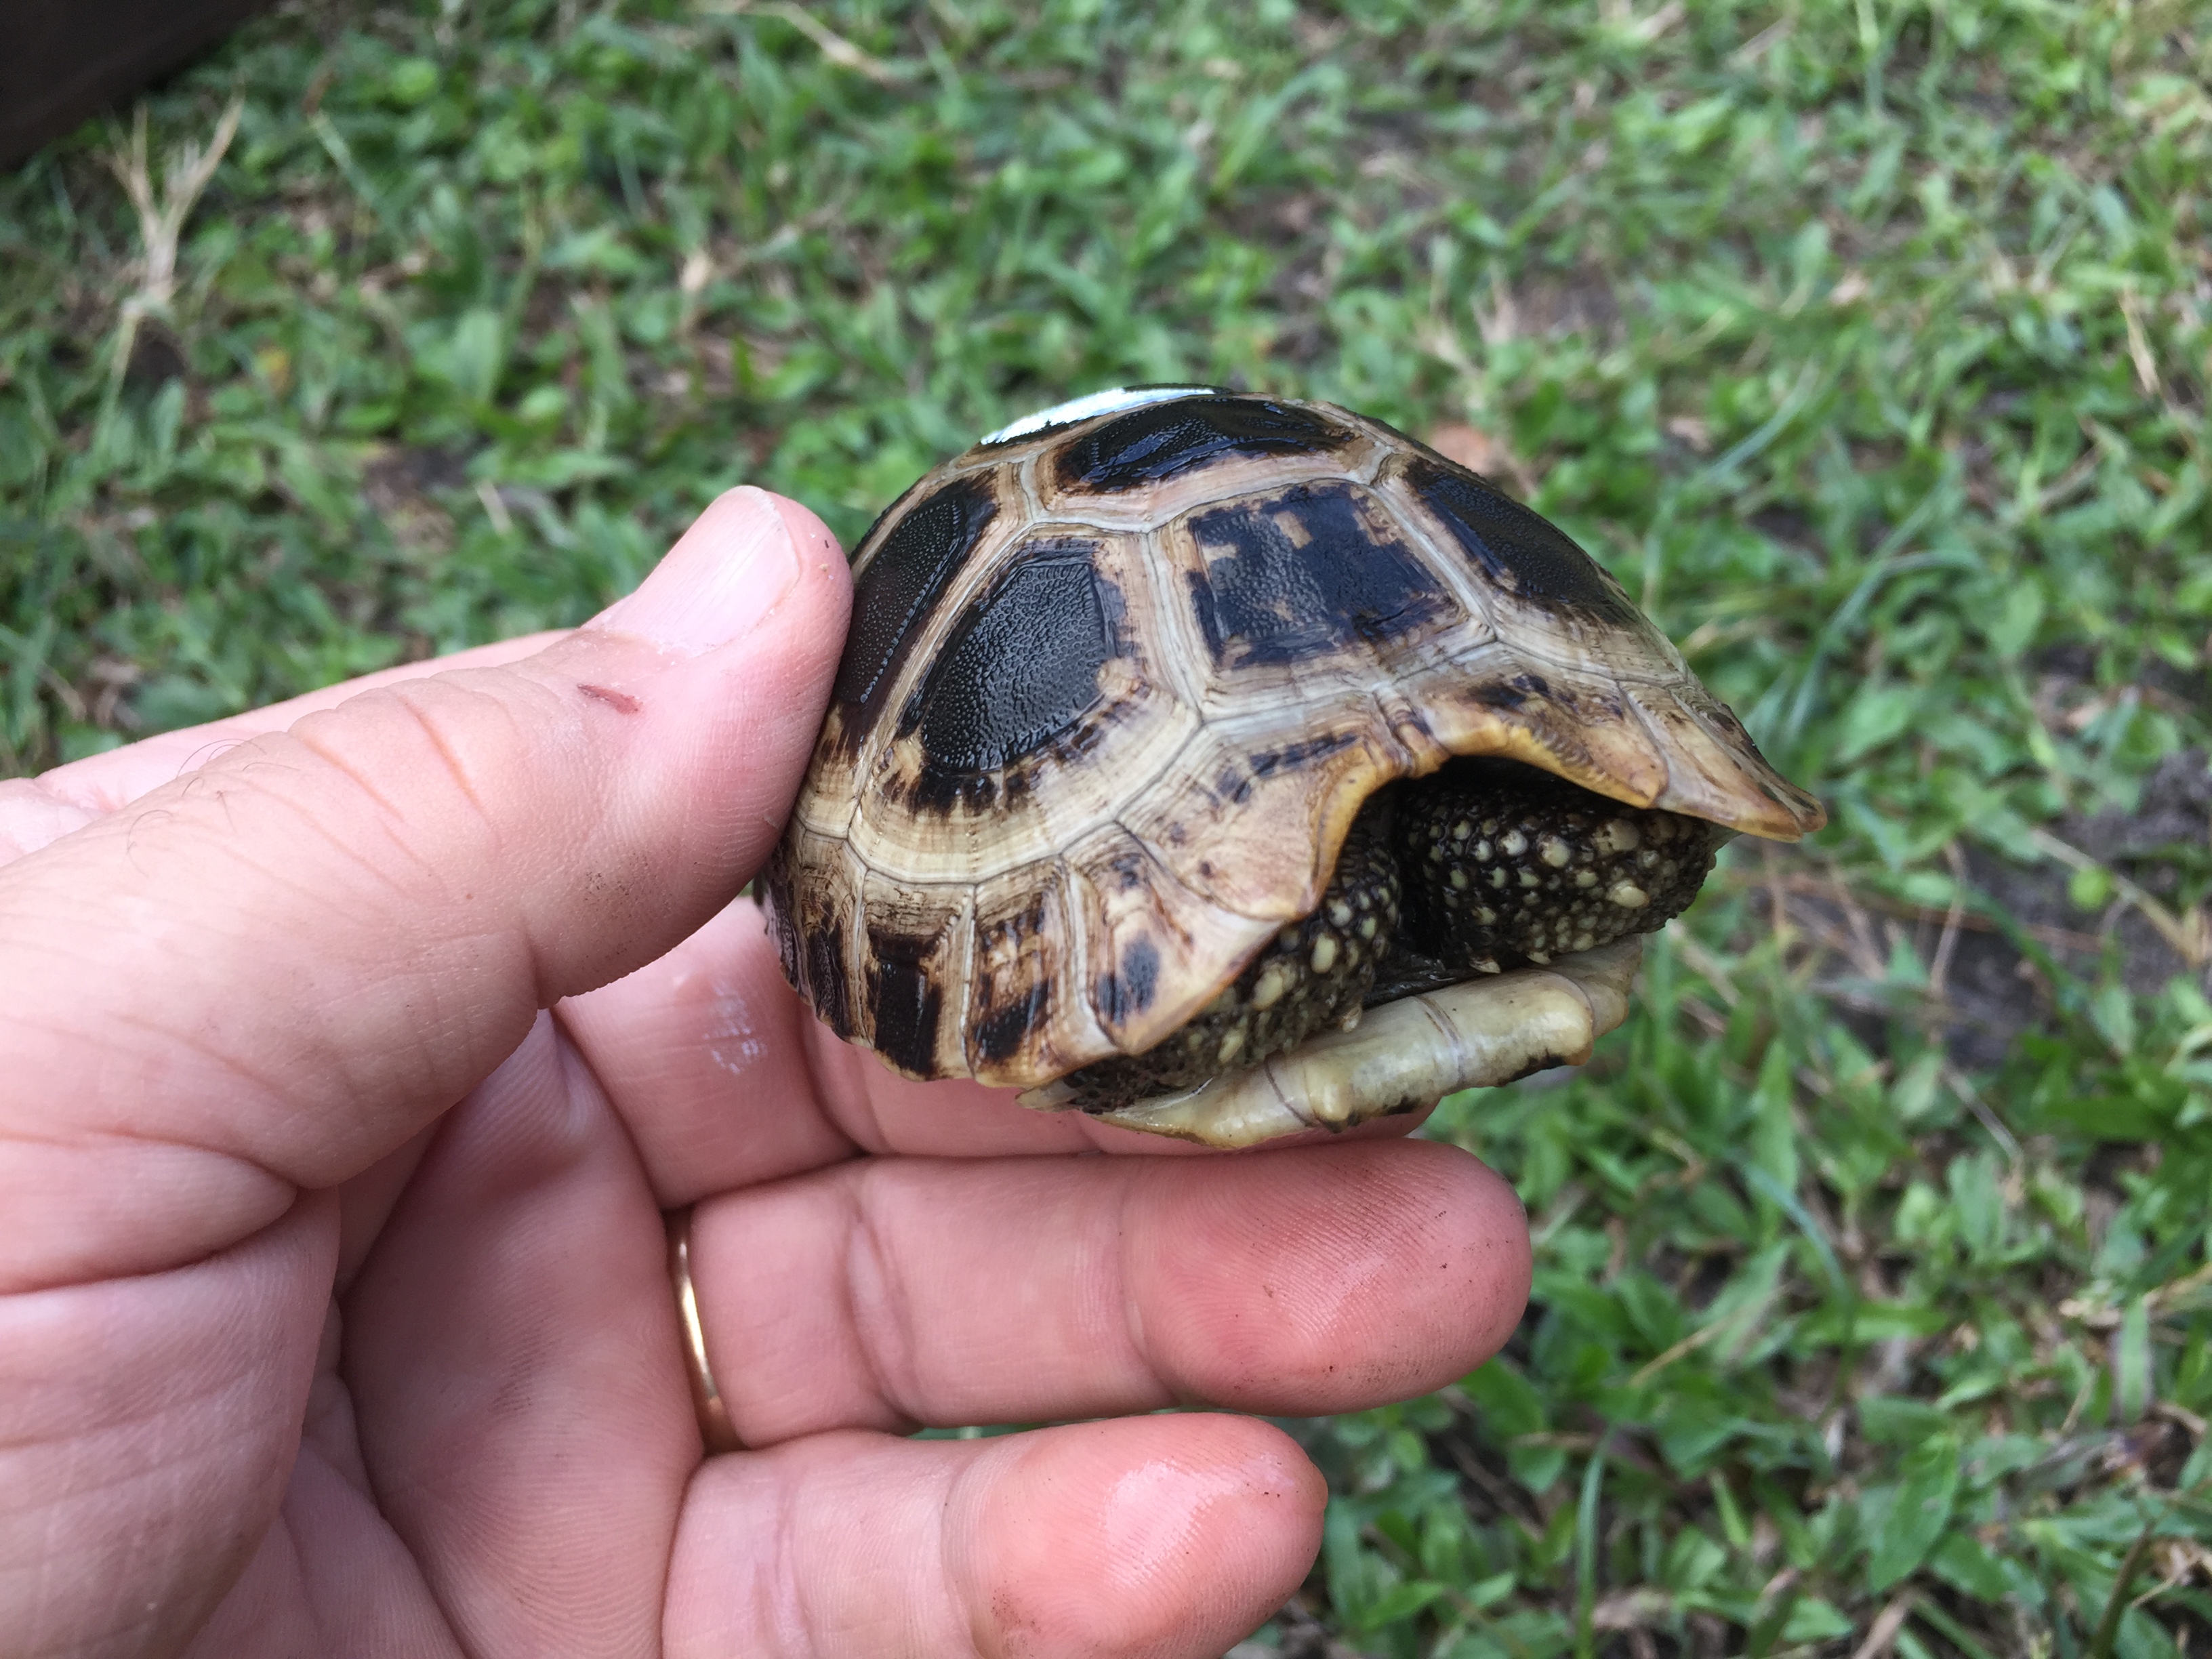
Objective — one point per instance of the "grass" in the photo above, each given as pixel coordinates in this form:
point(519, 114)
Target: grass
point(1868, 343)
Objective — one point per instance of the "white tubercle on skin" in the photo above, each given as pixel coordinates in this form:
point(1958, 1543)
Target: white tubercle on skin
point(1098, 402)
point(1406, 1053)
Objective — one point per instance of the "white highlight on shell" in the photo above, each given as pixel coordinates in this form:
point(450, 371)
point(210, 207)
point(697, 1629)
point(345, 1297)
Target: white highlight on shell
point(1407, 1053)
point(1098, 402)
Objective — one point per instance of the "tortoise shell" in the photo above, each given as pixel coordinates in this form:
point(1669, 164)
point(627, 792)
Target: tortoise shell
point(1120, 677)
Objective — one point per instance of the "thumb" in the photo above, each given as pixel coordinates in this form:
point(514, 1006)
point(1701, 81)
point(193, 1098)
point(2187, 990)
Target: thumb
point(268, 974)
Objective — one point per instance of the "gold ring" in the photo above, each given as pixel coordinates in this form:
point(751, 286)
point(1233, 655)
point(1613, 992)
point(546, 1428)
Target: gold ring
point(714, 1426)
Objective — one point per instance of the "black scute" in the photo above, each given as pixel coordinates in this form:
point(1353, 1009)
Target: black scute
point(1000, 1033)
point(1021, 665)
point(825, 978)
point(923, 552)
point(1519, 550)
point(1158, 440)
point(1017, 998)
point(1304, 572)
point(907, 1000)
point(1128, 991)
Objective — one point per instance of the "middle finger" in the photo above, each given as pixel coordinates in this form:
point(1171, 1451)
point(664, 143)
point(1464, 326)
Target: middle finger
point(887, 1292)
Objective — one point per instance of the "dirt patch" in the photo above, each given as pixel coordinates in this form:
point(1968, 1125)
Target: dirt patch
point(1990, 957)
point(402, 485)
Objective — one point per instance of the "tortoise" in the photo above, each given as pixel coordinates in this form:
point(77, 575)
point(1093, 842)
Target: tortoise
point(1226, 765)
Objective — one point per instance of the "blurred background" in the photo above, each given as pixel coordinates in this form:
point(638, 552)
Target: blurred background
point(1868, 343)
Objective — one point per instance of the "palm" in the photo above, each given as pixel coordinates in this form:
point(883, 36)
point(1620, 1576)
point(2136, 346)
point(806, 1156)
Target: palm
point(507, 1455)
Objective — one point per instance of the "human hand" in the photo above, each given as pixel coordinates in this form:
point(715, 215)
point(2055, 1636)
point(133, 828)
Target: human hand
point(298, 1354)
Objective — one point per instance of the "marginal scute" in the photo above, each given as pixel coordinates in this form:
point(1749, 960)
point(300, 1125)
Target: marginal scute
point(1544, 718)
point(1131, 905)
point(1309, 976)
point(1002, 1031)
point(914, 974)
point(1158, 441)
point(1021, 944)
point(1279, 588)
point(810, 921)
point(1258, 839)
point(907, 1000)
point(1717, 776)
point(1126, 990)
point(824, 962)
